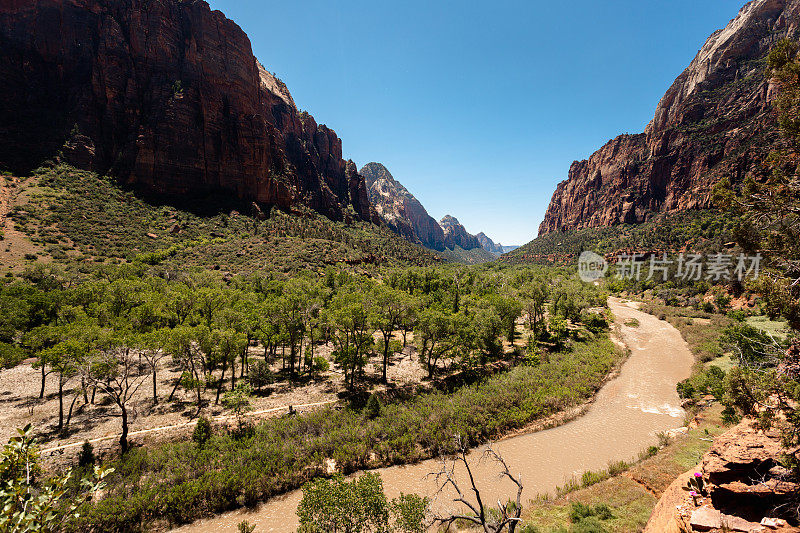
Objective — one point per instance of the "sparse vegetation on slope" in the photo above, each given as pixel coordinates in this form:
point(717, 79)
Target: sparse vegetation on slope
point(80, 217)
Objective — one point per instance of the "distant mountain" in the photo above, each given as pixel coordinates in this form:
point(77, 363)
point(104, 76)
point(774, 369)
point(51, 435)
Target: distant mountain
point(489, 245)
point(407, 216)
point(400, 209)
point(510, 248)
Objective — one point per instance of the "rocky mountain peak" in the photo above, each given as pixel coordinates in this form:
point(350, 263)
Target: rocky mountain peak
point(400, 209)
point(455, 234)
point(715, 120)
point(489, 245)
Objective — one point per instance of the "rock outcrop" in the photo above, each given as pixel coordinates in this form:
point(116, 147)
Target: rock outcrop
point(406, 215)
point(746, 487)
point(457, 235)
point(715, 120)
point(400, 209)
point(167, 96)
point(489, 245)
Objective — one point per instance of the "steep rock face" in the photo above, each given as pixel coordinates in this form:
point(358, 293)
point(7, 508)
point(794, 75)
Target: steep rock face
point(716, 120)
point(457, 235)
point(166, 95)
point(489, 245)
point(406, 215)
point(400, 209)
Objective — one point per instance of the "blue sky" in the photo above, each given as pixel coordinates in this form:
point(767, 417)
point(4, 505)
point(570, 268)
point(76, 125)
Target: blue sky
point(479, 108)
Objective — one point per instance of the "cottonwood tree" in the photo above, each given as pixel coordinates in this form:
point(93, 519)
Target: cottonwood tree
point(349, 313)
point(184, 343)
point(38, 341)
point(390, 306)
point(227, 344)
point(508, 308)
point(115, 372)
point(151, 348)
point(536, 293)
point(64, 360)
point(507, 517)
point(292, 306)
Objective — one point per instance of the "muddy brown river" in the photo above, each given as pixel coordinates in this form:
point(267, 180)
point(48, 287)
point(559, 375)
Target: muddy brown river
point(625, 418)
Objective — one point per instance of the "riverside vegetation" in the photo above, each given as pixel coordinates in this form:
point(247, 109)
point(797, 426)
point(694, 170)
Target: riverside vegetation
point(498, 347)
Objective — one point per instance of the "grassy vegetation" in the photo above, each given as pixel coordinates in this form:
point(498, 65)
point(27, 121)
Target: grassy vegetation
point(776, 328)
point(700, 329)
point(694, 230)
point(180, 482)
point(81, 217)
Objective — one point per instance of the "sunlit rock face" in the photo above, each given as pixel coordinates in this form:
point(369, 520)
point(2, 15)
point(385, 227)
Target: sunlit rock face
point(715, 120)
point(400, 209)
point(166, 95)
point(456, 235)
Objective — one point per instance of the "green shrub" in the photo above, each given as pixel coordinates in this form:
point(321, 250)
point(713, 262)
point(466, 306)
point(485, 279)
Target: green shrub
point(202, 431)
point(86, 457)
point(373, 407)
point(245, 527)
point(260, 375)
point(320, 364)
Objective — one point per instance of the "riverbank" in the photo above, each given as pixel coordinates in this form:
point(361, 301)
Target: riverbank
point(625, 418)
point(633, 494)
point(176, 483)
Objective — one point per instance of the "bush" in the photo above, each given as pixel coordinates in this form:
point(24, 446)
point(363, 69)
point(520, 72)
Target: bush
point(260, 375)
point(320, 364)
point(373, 408)
point(202, 431)
point(245, 527)
point(737, 315)
point(588, 518)
point(86, 457)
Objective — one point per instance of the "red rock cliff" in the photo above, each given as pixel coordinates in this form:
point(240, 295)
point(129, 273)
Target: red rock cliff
point(166, 95)
point(716, 120)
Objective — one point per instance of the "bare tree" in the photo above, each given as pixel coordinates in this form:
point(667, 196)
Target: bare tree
point(117, 373)
point(507, 515)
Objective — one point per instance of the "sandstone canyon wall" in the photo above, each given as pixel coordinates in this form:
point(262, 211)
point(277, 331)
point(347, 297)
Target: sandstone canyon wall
point(167, 96)
point(715, 120)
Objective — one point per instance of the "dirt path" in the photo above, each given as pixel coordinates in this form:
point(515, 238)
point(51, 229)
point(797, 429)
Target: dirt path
point(625, 418)
point(220, 419)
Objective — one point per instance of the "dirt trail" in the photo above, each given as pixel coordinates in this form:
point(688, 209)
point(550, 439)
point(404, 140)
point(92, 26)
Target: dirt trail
point(222, 418)
point(625, 418)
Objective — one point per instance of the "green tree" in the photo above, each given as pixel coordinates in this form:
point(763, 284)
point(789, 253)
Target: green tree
point(28, 505)
point(350, 312)
point(64, 359)
point(390, 306)
point(238, 400)
point(358, 506)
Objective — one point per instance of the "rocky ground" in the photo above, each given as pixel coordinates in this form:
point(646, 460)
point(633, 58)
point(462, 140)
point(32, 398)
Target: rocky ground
point(746, 488)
